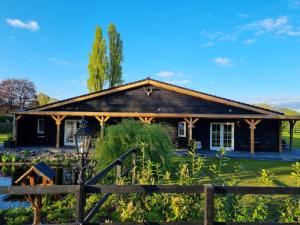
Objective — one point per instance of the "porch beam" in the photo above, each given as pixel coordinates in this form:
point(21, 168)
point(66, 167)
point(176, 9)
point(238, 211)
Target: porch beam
point(102, 120)
point(190, 121)
point(57, 120)
point(292, 125)
point(252, 125)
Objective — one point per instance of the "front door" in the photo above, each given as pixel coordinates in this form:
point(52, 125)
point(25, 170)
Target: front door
point(71, 127)
point(222, 135)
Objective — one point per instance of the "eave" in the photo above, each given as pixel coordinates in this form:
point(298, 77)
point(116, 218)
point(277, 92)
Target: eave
point(159, 115)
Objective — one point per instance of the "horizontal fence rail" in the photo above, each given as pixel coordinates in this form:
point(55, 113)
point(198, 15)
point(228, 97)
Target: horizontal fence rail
point(209, 193)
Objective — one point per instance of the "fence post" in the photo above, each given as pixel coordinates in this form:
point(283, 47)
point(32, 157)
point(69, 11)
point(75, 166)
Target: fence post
point(80, 202)
point(209, 204)
point(119, 169)
point(133, 176)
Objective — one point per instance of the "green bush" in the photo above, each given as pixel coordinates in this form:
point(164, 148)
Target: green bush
point(118, 139)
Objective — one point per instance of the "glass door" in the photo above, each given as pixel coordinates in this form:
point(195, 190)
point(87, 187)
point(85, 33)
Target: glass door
point(71, 127)
point(222, 135)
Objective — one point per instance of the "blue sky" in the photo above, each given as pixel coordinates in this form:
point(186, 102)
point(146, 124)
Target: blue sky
point(243, 50)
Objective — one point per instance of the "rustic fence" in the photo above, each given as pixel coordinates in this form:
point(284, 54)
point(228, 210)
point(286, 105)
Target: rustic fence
point(91, 187)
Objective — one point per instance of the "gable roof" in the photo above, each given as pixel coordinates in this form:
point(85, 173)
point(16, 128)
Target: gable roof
point(167, 86)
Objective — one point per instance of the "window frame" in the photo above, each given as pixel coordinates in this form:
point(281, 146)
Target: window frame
point(39, 131)
point(184, 129)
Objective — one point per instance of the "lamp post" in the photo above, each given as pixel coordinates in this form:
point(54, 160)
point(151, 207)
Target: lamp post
point(83, 139)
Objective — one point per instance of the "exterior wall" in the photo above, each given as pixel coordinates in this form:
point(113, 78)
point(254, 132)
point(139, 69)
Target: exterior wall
point(160, 101)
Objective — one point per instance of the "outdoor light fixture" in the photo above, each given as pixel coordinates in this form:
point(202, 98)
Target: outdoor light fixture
point(83, 138)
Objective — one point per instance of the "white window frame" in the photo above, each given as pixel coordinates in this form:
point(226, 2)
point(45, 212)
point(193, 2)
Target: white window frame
point(39, 131)
point(184, 129)
point(222, 136)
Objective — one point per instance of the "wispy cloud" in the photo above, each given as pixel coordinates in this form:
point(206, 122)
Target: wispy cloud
point(250, 41)
point(222, 61)
point(243, 15)
point(292, 102)
point(180, 82)
point(30, 25)
point(209, 44)
point(173, 77)
point(166, 74)
point(280, 26)
point(294, 4)
point(220, 36)
point(59, 61)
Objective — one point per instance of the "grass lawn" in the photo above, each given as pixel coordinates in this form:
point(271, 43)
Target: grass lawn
point(3, 137)
point(251, 169)
point(296, 139)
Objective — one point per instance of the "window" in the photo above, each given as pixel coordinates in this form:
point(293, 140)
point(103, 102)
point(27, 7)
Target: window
point(41, 126)
point(182, 129)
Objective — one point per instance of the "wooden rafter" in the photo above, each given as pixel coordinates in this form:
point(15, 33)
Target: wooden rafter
point(102, 119)
point(146, 119)
point(252, 125)
point(190, 121)
point(57, 120)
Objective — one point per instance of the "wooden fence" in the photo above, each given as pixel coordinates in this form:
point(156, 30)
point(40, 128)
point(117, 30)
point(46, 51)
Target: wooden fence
point(91, 187)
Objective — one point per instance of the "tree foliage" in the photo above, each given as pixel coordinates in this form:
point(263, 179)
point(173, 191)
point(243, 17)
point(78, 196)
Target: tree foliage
point(97, 63)
point(115, 57)
point(155, 139)
point(17, 94)
point(44, 99)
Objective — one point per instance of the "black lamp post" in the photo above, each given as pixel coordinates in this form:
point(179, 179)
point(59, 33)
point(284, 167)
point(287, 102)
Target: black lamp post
point(83, 140)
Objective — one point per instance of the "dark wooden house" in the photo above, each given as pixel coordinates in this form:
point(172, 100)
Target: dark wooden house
point(213, 121)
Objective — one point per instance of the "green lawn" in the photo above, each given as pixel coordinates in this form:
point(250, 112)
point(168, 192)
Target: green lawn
point(251, 169)
point(296, 139)
point(3, 137)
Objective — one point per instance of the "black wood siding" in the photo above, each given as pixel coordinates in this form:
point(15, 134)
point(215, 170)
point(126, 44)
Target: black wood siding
point(160, 101)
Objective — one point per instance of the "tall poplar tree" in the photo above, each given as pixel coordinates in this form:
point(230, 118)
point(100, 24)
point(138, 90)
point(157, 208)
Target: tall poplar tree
point(97, 63)
point(114, 73)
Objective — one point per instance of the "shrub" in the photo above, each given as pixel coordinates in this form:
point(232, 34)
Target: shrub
point(155, 138)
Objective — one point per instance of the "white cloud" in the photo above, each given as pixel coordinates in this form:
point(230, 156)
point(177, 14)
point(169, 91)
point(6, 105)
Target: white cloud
point(243, 15)
point(292, 102)
point(220, 36)
point(30, 25)
point(166, 74)
point(180, 82)
point(223, 61)
point(59, 61)
point(250, 41)
point(209, 44)
point(280, 26)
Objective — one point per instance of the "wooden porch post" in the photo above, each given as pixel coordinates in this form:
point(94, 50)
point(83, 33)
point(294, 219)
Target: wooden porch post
point(102, 121)
point(252, 125)
point(58, 120)
point(146, 119)
point(190, 123)
point(292, 125)
point(280, 136)
point(15, 129)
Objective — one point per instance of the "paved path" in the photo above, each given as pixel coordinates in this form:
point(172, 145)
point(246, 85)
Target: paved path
point(288, 156)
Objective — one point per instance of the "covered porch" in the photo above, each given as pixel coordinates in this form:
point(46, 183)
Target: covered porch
point(192, 122)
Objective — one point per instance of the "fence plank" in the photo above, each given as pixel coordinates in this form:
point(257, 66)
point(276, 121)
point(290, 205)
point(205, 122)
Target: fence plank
point(143, 189)
point(209, 204)
point(53, 189)
point(256, 190)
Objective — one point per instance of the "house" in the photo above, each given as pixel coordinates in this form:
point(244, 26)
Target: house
point(214, 121)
